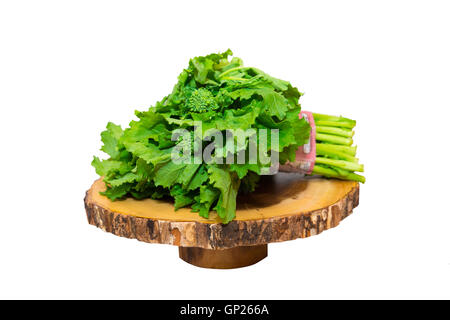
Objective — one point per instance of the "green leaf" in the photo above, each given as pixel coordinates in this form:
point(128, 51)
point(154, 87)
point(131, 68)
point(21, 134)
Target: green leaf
point(200, 177)
point(169, 173)
point(127, 178)
point(208, 195)
point(105, 167)
point(182, 197)
point(187, 175)
point(149, 152)
point(119, 192)
point(110, 139)
point(243, 169)
point(228, 184)
point(273, 102)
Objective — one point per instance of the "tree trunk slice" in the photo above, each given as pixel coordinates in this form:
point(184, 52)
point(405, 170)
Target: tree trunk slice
point(286, 206)
point(236, 257)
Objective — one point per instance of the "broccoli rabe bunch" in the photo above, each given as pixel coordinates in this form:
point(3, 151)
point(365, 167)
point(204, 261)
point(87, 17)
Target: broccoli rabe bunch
point(222, 94)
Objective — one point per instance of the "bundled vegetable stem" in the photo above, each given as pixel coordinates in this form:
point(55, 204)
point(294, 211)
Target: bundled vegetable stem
point(335, 155)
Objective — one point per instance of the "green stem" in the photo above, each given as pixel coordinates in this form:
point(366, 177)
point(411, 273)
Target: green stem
point(336, 131)
point(328, 150)
point(335, 155)
point(340, 124)
point(235, 78)
point(334, 139)
point(327, 172)
point(336, 148)
point(231, 70)
point(346, 165)
point(324, 117)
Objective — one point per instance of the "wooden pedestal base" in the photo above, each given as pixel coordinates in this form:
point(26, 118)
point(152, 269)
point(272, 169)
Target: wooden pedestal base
point(236, 257)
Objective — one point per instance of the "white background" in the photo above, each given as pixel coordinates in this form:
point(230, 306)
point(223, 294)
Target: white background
point(69, 67)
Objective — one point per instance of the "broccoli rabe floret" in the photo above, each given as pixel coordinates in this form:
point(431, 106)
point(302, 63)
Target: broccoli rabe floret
point(201, 101)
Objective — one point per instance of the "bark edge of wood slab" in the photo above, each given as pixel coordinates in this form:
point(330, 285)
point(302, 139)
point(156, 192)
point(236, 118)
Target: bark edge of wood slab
point(287, 207)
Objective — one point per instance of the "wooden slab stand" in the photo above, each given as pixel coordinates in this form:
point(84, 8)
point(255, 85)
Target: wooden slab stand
point(286, 206)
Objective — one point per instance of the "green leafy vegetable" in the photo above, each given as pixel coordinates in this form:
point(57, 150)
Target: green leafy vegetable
point(221, 94)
